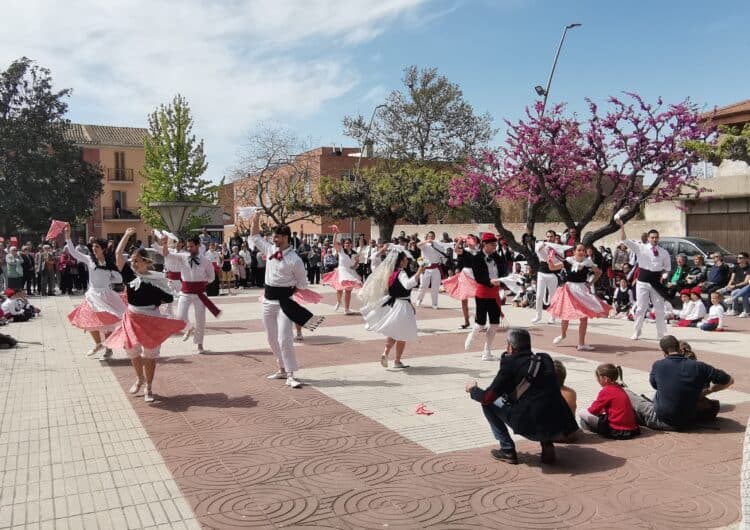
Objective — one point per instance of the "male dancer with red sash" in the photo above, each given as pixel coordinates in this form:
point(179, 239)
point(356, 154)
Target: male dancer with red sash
point(285, 273)
point(488, 266)
point(195, 272)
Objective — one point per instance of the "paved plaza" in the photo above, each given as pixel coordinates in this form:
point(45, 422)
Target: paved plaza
point(223, 447)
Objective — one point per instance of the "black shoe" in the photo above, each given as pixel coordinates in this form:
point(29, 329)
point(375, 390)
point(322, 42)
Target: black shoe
point(548, 453)
point(505, 455)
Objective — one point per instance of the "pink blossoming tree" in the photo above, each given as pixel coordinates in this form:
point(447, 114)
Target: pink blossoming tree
point(634, 152)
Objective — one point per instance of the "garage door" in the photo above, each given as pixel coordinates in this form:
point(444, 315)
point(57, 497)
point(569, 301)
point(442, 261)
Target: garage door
point(730, 230)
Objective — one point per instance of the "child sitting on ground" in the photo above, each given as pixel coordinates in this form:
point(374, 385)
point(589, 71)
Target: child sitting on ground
point(687, 351)
point(622, 299)
point(568, 394)
point(611, 415)
point(714, 321)
point(694, 313)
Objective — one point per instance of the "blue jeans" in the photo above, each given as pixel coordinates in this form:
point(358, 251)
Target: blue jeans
point(744, 294)
point(496, 417)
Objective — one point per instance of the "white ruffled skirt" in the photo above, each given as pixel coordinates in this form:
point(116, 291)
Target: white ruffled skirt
point(398, 322)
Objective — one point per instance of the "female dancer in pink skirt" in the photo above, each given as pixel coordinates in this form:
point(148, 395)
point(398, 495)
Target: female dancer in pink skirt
point(102, 308)
point(574, 299)
point(344, 278)
point(143, 328)
point(461, 285)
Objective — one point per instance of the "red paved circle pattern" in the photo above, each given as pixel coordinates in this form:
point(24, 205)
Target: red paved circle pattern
point(247, 452)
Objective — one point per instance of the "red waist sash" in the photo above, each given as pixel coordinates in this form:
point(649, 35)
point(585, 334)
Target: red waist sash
point(490, 292)
point(432, 266)
point(174, 275)
point(199, 288)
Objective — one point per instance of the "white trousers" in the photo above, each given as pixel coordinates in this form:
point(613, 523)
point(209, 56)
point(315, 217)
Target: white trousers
point(183, 306)
point(430, 279)
point(645, 294)
point(280, 333)
point(546, 283)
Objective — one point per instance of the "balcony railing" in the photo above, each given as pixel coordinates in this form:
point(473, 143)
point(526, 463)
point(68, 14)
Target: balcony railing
point(120, 174)
point(119, 213)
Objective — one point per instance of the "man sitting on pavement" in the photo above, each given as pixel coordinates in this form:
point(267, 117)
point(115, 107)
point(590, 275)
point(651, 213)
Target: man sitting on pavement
point(682, 385)
point(525, 395)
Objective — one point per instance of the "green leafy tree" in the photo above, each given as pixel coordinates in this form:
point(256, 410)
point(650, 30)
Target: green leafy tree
point(386, 192)
point(733, 144)
point(174, 164)
point(430, 120)
point(42, 172)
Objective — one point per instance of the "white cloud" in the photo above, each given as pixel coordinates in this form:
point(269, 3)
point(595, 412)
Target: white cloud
point(236, 61)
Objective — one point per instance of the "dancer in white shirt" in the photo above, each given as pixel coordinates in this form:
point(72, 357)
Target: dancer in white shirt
point(102, 308)
point(546, 279)
point(285, 273)
point(654, 263)
point(344, 278)
point(433, 253)
point(196, 272)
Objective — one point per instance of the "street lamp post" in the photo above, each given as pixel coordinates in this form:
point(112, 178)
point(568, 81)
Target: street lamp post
point(361, 154)
point(545, 92)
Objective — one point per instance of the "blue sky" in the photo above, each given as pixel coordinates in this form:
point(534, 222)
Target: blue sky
point(305, 64)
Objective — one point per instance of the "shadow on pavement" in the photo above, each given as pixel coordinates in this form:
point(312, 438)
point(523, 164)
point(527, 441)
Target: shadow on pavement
point(336, 383)
point(183, 402)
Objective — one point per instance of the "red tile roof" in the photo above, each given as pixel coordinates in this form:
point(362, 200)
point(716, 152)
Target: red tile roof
point(106, 135)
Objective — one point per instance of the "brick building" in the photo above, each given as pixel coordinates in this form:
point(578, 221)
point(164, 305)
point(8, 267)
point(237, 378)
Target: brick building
point(308, 166)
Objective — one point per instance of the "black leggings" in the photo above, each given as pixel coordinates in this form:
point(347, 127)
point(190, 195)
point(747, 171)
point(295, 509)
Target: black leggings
point(487, 307)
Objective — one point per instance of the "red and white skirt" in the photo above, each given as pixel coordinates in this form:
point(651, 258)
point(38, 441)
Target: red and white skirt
point(460, 286)
point(334, 280)
point(573, 301)
point(86, 318)
point(144, 326)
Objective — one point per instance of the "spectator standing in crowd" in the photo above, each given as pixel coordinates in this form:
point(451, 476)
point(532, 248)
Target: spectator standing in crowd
point(3, 266)
point(65, 265)
point(330, 260)
point(314, 264)
point(524, 395)
point(14, 269)
point(83, 271)
point(363, 253)
point(682, 387)
point(621, 257)
point(28, 269)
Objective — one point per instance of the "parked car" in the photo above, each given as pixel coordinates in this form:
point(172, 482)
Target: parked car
point(692, 245)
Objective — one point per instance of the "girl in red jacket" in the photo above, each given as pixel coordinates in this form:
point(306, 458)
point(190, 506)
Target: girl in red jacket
point(611, 414)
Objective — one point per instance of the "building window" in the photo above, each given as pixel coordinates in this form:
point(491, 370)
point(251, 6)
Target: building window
point(349, 175)
point(119, 203)
point(120, 165)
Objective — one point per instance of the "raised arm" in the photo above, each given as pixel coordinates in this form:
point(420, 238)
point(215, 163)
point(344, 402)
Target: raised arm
point(625, 241)
point(255, 240)
point(80, 256)
point(120, 250)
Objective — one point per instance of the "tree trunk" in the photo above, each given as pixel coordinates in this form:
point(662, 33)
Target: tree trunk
point(385, 227)
point(589, 238)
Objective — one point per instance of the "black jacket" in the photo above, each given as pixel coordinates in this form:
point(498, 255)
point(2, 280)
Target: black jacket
point(479, 267)
point(541, 413)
